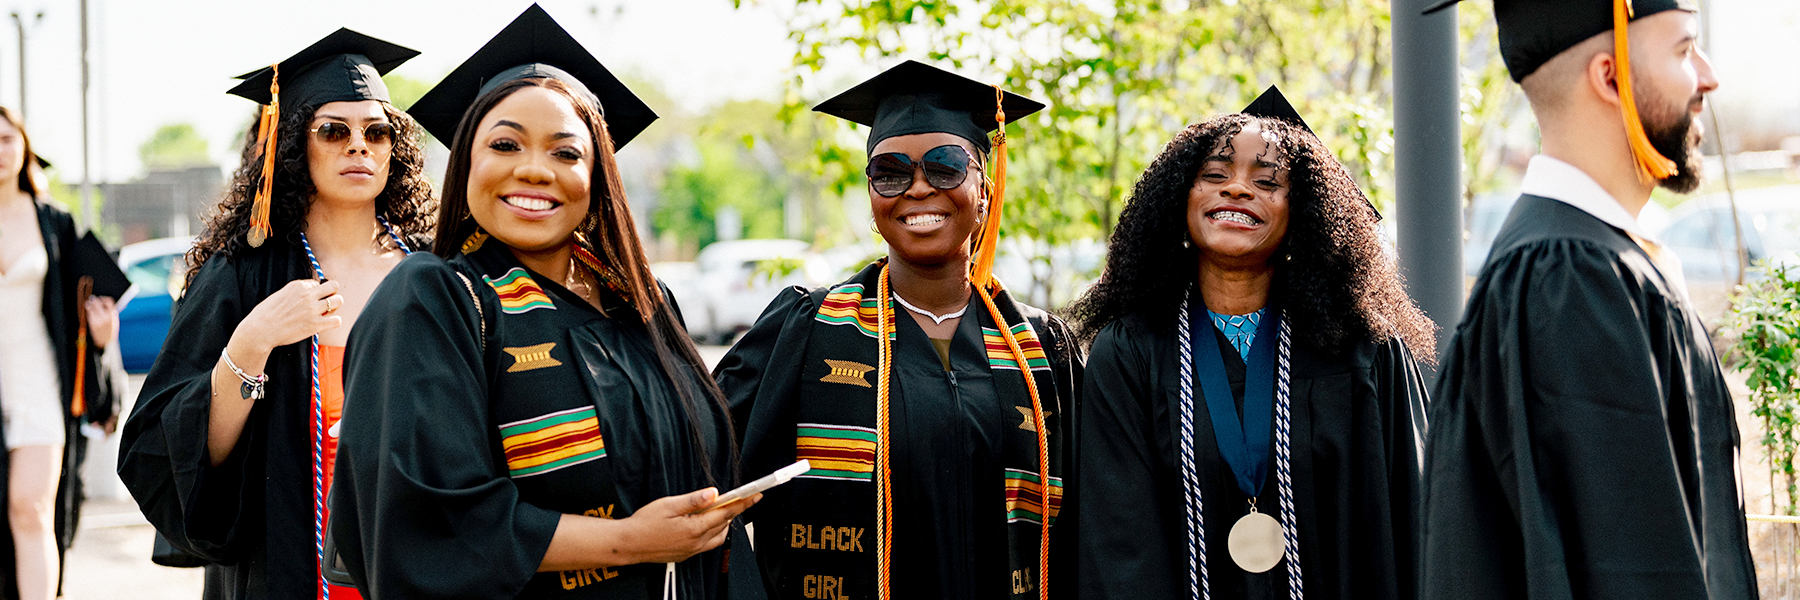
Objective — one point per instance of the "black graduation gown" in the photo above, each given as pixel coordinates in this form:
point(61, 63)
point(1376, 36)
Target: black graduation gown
point(1357, 424)
point(1582, 442)
point(428, 501)
point(948, 438)
point(251, 517)
point(101, 390)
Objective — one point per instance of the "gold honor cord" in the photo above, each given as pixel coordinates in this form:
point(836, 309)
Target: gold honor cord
point(1651, 165)
point(884, 498)
point(1043, 435)
point(987, 240)
point(271, 118)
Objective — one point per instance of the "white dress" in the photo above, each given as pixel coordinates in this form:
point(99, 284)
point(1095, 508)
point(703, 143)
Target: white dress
point(30, 386)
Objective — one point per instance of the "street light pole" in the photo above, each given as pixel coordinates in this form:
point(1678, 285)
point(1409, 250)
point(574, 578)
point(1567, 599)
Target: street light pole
point(19, 22)
point(1428, 161)
point(88, 214)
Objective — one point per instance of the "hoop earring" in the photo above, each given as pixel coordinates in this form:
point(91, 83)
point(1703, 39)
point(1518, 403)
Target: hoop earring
point(872, 228)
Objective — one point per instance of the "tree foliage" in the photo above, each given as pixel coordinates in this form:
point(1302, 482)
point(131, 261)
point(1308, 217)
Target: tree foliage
point(176, 145)
point(1765, 318)
point(1121, 77)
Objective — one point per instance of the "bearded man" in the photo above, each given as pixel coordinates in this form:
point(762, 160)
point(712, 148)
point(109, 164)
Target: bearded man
point(1582, 441)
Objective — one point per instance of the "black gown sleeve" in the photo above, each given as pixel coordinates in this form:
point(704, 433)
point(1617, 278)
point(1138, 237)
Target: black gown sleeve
point(422, 504)
point(1122, 533)
point(162, 455)
point(1069, 366)
point(1400, 391)
point(1552, 463)
point(759, 375)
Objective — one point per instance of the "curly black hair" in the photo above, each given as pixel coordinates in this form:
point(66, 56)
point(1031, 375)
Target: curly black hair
point(405, 202)
point(1333, 275)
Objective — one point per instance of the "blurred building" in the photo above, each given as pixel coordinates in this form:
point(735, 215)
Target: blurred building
point(163, 203)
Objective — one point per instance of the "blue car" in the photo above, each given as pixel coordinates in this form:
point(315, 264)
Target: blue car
point(158, 273)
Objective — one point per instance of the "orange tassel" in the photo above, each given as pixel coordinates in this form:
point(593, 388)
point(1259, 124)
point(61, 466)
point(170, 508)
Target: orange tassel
point(884, 498)
point(83, 289)
point(1651, 165)
point(1043, 439)
point(988, 239)
point(260, 228)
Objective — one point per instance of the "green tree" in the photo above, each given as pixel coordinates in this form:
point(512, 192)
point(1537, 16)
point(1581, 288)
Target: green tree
point(176, 145)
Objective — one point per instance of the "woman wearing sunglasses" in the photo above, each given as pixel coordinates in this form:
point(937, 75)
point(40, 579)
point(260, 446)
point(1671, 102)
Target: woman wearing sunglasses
point(1252, 399)
point(935, 410)
point(529, 418)
point(229, 452)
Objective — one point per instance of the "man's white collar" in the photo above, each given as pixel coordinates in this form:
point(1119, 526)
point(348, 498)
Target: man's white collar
point(1561, 181)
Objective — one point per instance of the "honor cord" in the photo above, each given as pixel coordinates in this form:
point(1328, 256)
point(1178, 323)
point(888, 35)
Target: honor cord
point(1198, 585)
point(318, 419)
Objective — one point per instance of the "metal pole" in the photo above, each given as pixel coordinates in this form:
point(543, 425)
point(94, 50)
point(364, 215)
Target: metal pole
point(1428, 162)
point(89, 215)
point(19, 22)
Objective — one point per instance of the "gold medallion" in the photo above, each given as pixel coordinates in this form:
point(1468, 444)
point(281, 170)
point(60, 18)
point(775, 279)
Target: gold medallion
point(1256, 543)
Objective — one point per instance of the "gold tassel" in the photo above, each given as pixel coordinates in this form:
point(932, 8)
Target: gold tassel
point(1651, 165)
point(271, 119)
point(988, 239)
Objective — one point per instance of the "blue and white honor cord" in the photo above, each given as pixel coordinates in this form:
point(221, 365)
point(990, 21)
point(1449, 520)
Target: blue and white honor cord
point(1198, 585)
point(318, 418)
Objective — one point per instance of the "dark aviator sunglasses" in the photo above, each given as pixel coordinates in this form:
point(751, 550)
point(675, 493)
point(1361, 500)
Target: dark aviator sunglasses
point(945, 167)
point(333, 132)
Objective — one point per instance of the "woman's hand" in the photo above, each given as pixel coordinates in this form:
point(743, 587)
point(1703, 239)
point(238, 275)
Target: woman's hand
point(299, 310)
point(674, 528)
point(102, 320)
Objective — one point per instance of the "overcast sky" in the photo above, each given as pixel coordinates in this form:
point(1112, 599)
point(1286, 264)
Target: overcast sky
point(157, 63)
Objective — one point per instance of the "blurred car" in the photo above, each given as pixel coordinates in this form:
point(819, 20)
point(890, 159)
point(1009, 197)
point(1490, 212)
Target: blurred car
point(1488, 212)
point(737, 279)
point(1701, 234)
point(158, 273)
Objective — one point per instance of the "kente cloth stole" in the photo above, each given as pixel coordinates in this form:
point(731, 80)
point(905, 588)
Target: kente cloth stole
point(835, 534)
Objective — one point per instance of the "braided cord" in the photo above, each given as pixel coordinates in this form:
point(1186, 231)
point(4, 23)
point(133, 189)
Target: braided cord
point(884, 499)
point(318, 420)
point(318, 442)
point(1288, 530)
point(1198, 586)
point(1043, 440)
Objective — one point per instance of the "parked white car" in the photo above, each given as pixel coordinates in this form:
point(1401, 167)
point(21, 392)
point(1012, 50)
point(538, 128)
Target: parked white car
point(1700, 232)
point(737, 279)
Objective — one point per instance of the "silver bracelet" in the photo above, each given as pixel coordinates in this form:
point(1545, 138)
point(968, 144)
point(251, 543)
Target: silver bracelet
point(253, 386)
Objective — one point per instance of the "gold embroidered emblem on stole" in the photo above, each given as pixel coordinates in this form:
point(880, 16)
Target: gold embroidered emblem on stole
point(532, 357)
point(847, 372)
point(1030, 423)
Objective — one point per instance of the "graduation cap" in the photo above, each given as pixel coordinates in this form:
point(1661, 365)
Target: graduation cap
point(532, 46)
point(345, 66)
point(90, 259)
point(1272, 104)
point(915, 97)
point(1534, 31)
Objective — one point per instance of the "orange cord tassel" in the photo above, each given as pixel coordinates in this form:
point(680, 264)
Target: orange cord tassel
point(83, 289)
point(260, 227)
point(1651, 165)
point(988, 240)
point(1043, 440)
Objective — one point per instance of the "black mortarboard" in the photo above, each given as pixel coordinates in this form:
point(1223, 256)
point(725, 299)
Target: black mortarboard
point(915, 97)
point(92, 260)
point(344, 66)
point(532, 46)
point(1272, 104)
point(1534, 31)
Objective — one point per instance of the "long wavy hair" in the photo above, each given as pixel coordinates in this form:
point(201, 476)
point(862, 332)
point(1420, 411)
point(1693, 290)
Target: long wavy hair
point(608, 232)
point(29, 172)
point(1333, 275)
point(405, 202)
